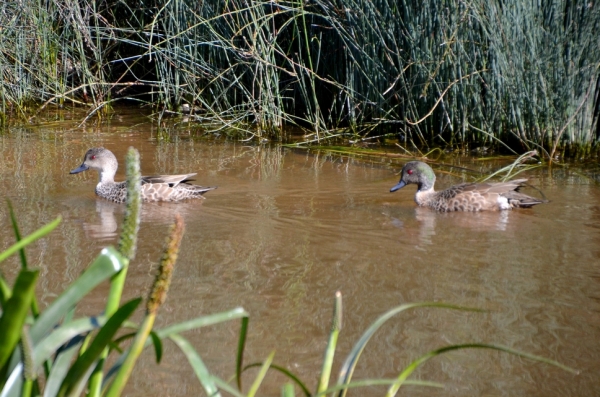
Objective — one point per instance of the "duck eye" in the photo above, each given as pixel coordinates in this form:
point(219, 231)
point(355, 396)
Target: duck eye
point(409, 172)
point(93, 157)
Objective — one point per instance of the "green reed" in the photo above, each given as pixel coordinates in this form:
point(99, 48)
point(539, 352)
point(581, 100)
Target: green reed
point(451, 73)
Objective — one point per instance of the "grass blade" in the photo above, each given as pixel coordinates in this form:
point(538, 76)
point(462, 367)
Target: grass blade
point(288, 390)
point(19, 245)
point(239, 361)
point(203, 321)
point(91, 354)
point(352, 359)
point(197, 364)
point(287, 373)
point(65, 334)
point(61, 366)
point(106, 265)
point(336, 326)
point(15, 312)
point(15, 226)
point(261, 375)
point(416, 363)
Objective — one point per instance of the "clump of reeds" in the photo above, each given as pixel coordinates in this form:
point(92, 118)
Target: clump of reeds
point(452, 73)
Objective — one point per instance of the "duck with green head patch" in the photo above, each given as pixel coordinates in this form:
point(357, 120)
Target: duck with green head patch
point(464, 197)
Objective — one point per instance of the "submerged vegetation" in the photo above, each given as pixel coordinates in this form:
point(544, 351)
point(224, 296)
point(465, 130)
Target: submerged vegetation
point(50, 352)
point(442, 73)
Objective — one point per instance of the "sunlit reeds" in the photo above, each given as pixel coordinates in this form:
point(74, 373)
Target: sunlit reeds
point(518, 74)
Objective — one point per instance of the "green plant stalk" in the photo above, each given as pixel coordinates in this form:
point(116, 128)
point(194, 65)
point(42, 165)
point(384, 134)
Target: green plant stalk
point(261, 375)
point(28, 364)
point(239, 362)
point(118, 384)
point(34, 305)
point(336, 326)
point(288, 390)
point(127, 246)
point(416, 363)
point(349, 365)
point(13, 221)
point(377, 382)
point(131, 223)
point(15, 312)
point(285, 372)
point(206, 379)
point(158, 294)
point(19, 245)
point(81, 368)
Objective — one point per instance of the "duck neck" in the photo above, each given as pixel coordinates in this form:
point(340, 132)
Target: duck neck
point(426, 185)
point(106, 176)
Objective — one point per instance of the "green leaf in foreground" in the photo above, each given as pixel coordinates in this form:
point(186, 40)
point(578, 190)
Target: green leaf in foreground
point(415, 364)
point(106, 264)
point(261, 375)
point(91, 354)
point(200, 369)
point(41, 232)
point(350, 364)
point(15, 312)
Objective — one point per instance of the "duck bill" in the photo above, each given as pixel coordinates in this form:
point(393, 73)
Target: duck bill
point(79, 169)
point(400, 185)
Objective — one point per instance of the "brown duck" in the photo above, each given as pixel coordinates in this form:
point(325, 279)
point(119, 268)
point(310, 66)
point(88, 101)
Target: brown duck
point(464, 197)
point(154, 188)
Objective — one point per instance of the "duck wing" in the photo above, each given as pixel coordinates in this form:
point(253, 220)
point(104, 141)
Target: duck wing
point(170, 180)
point(483, 189)
point(486, 196)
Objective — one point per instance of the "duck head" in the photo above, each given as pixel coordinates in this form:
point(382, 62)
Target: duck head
point(101, 160)
point(418, 173)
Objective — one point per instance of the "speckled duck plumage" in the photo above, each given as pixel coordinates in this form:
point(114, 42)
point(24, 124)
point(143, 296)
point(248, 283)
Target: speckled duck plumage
point(464, 197)
point(154, 188)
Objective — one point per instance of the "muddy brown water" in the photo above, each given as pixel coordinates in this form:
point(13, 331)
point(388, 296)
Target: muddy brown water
point(288, 228)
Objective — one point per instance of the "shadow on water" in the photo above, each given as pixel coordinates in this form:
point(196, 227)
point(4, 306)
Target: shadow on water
point(286, 229)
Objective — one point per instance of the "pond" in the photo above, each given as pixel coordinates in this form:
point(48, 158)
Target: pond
point(287, 228)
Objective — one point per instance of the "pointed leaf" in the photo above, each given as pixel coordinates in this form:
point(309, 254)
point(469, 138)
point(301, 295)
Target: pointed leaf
point(91, 354)
point(203, 321)
point(65, 334)
point(157, 346)
point(13, 220)
point(350, 363)
point(106, 264)
point(261, 375)
point(197, 364)
point(61, 366)
point(41, 232)
point(15, 312)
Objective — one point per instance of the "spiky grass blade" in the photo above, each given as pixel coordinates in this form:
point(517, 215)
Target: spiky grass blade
point(377, 382)
point(418, 362)
point(285, 372)
point(84, 362)
point(239, 362)
point(350, 363)
point(261, 375)
point(108, 263)
point(15, 312)
point(24, 242)
point(204, 321)
point(200, 369)
point(336, 326)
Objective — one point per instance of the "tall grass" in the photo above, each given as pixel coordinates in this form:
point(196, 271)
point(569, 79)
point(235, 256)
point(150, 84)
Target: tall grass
point(434, 73)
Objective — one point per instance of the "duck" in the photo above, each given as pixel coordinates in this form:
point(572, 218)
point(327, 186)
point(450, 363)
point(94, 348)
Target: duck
point(464, 197)
point(154, 188)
